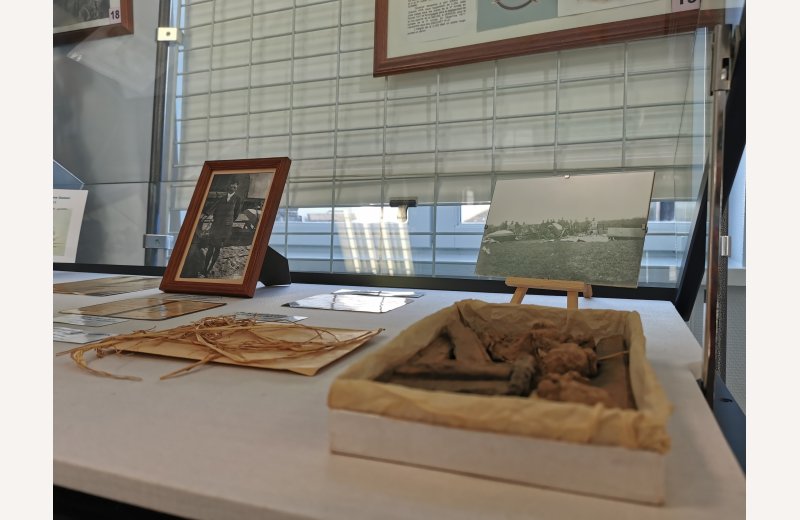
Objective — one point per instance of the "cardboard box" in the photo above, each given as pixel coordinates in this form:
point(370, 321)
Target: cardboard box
point(573, 447)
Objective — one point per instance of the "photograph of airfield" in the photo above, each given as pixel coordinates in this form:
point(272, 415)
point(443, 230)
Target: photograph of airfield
point(588, 228)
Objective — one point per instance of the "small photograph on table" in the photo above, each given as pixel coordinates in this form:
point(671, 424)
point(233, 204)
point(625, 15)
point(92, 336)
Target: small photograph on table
point(585, 228)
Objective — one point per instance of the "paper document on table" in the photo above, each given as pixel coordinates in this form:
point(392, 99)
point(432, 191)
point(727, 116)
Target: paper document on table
point(223, 339)
point(194, 297)
point(108, 286)
point(70, 335)
point(350, 302)
point(88, 321)
point(262, 317)
point(155, 308)
point(380, 292)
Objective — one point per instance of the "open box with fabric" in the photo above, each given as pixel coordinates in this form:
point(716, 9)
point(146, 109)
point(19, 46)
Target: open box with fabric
point(603, 449)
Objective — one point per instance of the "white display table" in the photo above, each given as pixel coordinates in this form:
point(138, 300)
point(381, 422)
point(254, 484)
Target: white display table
point(232, 442)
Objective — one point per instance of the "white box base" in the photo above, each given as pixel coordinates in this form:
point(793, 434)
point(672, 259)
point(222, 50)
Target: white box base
point(606, 471)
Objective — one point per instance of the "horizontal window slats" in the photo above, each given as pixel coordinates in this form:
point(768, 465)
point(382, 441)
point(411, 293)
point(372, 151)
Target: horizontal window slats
point(260, 78)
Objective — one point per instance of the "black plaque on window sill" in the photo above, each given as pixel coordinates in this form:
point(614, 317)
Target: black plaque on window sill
point(275, 269)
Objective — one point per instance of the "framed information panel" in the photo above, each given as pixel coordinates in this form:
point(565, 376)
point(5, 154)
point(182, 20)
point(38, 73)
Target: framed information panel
point(423, 34)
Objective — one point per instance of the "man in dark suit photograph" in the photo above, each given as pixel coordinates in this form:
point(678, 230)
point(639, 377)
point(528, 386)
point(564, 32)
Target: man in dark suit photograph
point(223, 213)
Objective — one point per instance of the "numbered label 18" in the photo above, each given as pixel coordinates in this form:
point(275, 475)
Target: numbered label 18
point(685, 5)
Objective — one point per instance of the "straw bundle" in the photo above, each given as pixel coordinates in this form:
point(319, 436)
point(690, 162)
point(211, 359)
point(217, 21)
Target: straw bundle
point(241, 341)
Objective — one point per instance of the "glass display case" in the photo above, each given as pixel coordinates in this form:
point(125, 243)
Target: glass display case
point(248, 80)
point(390, 185)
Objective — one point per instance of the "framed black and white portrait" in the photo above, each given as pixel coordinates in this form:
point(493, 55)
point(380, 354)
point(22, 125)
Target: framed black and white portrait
point(224, 237)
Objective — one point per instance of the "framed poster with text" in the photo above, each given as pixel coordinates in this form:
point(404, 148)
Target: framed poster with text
point(415, 35)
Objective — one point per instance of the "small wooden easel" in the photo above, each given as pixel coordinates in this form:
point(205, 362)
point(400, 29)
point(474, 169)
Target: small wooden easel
point(572, 288)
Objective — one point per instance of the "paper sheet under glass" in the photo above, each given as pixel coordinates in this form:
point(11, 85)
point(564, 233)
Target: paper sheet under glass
point(156, 308)
point(350, 302)
point(108, 286)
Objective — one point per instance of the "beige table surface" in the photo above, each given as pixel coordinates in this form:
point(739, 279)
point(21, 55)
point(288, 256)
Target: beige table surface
point(232, 442)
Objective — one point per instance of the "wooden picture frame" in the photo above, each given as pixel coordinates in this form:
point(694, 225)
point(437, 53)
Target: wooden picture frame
point(405, 40)
point(76, 20)
point(225, 257)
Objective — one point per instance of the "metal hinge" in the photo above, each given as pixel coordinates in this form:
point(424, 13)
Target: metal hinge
point(158, 241)
point(725, 245)
point(169, 34)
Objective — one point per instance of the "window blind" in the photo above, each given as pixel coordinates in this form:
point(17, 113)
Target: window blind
point(294, 78)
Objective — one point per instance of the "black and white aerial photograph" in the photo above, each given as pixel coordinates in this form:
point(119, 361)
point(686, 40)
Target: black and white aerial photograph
point(588, 228)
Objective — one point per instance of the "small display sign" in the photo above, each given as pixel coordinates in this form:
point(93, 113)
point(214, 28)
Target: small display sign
point(685, 5)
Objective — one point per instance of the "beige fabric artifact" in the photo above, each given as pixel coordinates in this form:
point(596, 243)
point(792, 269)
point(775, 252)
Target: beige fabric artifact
point(644, 428)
